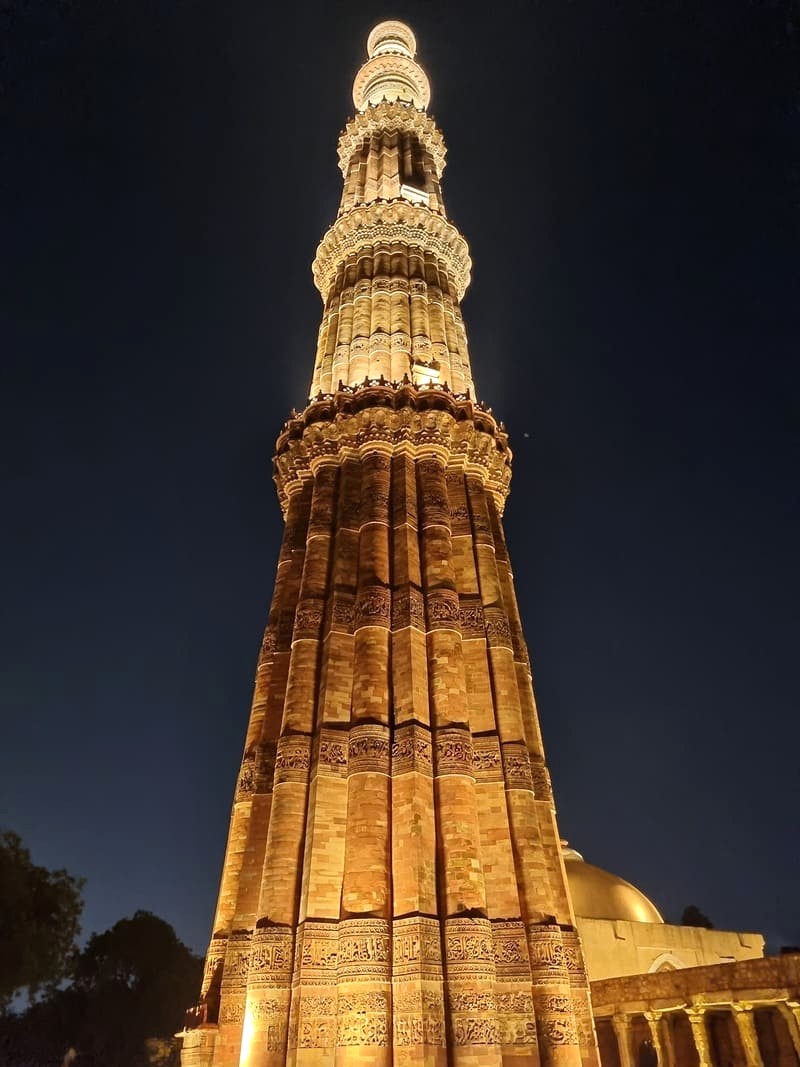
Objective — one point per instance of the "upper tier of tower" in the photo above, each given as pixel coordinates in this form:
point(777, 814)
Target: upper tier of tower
point(392, 269)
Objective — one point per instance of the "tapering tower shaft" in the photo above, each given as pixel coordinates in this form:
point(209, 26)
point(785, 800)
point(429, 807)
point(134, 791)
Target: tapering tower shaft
point(393, 891)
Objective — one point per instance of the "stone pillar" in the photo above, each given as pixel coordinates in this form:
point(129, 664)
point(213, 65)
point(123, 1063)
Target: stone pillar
point(670, 1057)
point(746, 1025)
point(790, 1010)
point(622, 1031)
point(697, 1021)
point(654, 1023)
point(581, 999)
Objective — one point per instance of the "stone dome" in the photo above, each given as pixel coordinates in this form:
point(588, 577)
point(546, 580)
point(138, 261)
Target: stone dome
point(391, 71)
point(598, 894)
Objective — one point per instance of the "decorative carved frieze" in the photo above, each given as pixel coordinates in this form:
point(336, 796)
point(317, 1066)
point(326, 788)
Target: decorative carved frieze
point(408, 609)
point(271, 956)
point(343, 613)
point(368, 749)
point(317, 951)
point(402, 417)
point(246, 782)
point(442, 609)
point(510, 950)
point(471, 619)
point(373, 606)
point(541, 779)
point(386, 223)
point(453, 748)
point(487, 762)
point(498, 632)
point(332, 753)
point(412, 750)
point(308, 618)
point(417, 947)
point(364, 949)
point(293, 758)
point(517, 765)
point(392, 115)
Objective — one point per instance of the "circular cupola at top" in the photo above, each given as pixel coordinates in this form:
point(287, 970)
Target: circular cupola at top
point(391, 72)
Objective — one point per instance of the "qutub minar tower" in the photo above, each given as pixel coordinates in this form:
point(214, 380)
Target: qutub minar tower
point(393, 891)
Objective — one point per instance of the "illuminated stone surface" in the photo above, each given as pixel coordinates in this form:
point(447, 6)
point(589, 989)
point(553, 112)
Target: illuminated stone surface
point(742, 1014)
point(622, 932)
point(393, 891)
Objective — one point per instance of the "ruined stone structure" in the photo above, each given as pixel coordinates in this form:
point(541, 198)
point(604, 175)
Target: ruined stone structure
point(742, 1014)
point(393, 891)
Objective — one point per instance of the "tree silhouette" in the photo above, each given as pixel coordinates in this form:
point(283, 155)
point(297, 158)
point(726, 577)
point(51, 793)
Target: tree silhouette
point(130, 989)
point(692, 916)
point(40, 911)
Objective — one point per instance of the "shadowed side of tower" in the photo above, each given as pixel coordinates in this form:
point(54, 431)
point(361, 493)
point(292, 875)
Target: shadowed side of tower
point(393, 891)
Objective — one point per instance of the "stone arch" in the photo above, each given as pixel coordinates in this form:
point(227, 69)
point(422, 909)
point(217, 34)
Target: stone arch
point(667, 961)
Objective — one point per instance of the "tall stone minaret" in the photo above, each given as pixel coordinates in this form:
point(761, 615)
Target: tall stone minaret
point(393, 891)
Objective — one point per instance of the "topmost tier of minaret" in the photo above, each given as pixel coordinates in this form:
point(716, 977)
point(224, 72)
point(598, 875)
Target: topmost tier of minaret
point(391, 72)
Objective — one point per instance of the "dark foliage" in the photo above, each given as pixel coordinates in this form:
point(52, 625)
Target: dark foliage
point(130, 989)
point(40, 911)
point(692, 916)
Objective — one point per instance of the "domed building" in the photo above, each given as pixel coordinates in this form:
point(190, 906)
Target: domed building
point(623, 932)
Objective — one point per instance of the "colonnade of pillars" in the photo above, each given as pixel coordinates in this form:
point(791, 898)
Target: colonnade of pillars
point(697, 1035)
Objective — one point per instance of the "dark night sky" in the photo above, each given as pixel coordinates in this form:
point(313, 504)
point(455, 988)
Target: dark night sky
point(628, 176)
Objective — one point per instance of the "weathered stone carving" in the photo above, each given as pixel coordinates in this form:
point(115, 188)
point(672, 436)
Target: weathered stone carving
point(411, 751)
point(517, 765)
point(395, 222)
point(486, 760)
point(373, 607)
point(442, 607)
point(391, 115)
point(408, 609)
point(453, 752)
point(333, 748)
point(293, 759)
point(368, 749)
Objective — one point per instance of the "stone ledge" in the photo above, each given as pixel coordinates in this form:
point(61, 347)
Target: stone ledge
point(393, 417)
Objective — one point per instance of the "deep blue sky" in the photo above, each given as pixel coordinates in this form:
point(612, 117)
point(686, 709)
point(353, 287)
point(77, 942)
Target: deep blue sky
point(628, 176)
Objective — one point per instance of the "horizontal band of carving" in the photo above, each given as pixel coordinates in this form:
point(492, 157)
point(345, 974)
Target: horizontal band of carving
point(332, 755)
point(540, 776)
point(453, 752)
point(364, 948)
point(487, 763)
point(418, 1030)
point(390, 116)
point(546, 948)
point(517, 765)
point(510, 950)
point(469, 947)
point(373, 606)
point(442, 607)
point(257, 771)
point(317, 950)
point(368, 749)
point(293, 759)
point(417, 949)
point(470, 617)
point(343, 613)
point(308, 618)
point(271, 957)
point(412, 751)
point(393, 417)
point(498, 632)
point(390, 222)
point(408, 609)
